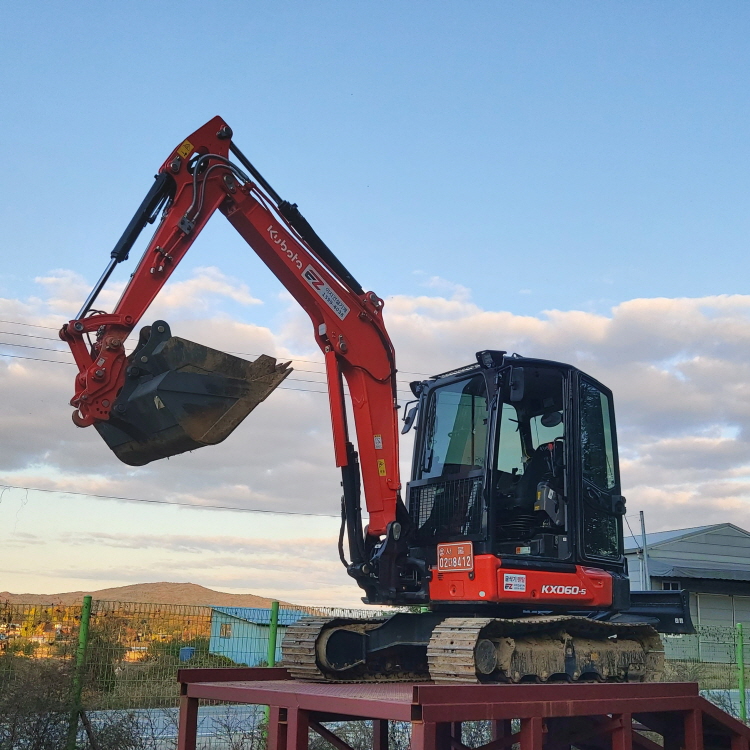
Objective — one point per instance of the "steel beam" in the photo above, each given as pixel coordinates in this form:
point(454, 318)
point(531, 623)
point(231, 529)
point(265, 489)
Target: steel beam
point(606, 716)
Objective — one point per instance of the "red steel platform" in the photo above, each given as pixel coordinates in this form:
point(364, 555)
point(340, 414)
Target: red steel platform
point(584, 716)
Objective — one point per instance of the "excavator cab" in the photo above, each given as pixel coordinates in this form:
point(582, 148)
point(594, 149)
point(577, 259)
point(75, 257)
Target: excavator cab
point(519, 457)
point(179, 395)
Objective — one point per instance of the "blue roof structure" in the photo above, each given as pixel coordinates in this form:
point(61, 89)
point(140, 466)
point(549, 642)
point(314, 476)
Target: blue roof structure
point(261, 616)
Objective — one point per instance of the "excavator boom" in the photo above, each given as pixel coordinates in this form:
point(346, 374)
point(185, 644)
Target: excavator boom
point(148, 409)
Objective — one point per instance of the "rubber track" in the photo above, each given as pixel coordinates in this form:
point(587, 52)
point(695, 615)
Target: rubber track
point(298, 648)
point(450, 653)
point(299, 655)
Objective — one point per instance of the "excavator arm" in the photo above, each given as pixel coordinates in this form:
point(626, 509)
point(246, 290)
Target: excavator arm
point(198, 178)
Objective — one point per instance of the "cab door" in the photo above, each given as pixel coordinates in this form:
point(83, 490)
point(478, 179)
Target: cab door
point(601, 504)
point(446, 494)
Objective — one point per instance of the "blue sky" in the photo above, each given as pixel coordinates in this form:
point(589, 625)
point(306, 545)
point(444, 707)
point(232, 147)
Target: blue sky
point(475, 163)
point(542, 154)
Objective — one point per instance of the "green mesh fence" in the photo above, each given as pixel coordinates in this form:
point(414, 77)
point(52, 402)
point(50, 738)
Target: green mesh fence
point(130, 694)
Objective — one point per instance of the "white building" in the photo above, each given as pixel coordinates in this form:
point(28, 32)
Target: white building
point(713, 564)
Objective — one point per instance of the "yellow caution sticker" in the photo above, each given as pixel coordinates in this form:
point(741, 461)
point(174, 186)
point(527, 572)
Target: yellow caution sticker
point(186, 149)
point(381, 467)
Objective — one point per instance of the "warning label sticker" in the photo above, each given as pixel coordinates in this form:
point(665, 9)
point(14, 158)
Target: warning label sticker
point(312, 277)
point(514, 582)
point(185, 149)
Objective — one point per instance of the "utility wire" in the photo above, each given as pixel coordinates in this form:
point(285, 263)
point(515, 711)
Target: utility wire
point(30, 325)
point(632, 534)
point(31, 335)
point(244, 354)
point(58, 362)
point(281, 387)
point(168, 502)
point(66, 352)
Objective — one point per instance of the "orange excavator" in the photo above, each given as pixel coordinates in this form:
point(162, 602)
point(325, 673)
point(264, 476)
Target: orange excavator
point(505, 553)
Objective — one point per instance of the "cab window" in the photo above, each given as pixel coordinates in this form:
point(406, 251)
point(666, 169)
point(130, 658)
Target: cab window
point(509, 449)
point(597, 443)
point(601, 528)
point(456, 433)
point(541, 434)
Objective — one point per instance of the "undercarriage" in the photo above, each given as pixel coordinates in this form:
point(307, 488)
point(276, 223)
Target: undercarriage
point(432, 647)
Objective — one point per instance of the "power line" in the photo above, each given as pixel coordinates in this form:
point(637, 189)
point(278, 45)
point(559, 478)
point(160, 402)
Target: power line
point(41, 348)
point(281, 387)
point(58, 362)
point(31, 335)
point(244, 354)
point(37, 359)
point(631, 532)
point(169, 502)
point(66, 352)
point(30, 325)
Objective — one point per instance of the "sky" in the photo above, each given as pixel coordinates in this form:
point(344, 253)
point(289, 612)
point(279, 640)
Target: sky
point(566, 180)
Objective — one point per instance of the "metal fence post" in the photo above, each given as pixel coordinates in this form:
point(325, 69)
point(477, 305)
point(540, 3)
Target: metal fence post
point(273, 627)
point(83, 637)
point(741, 672)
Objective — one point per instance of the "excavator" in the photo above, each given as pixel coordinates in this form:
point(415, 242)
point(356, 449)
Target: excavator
point(503, 558)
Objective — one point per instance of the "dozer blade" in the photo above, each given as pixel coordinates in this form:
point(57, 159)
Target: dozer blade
point(179, 396)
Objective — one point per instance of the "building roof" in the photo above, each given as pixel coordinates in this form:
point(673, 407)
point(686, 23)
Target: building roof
point(720, 551)
point(260, 616)
point(669, 568)
point(661, 537)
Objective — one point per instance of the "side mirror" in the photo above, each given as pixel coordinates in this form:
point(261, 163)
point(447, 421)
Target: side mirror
point(517, 384)
point(552, 419)
point(409, 418)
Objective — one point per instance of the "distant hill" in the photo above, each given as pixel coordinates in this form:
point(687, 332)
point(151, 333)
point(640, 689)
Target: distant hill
point(149, 593)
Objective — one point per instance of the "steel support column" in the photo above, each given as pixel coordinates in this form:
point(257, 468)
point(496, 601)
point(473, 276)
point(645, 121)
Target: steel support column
point(276, 728)
point(693, 730)
point(188, 723)
point(298, 729)
point(532, 730)
point(622, 735)
point(380, 735)
point(424, 736)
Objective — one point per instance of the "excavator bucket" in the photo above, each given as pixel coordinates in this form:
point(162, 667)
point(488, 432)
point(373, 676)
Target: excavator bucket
point(179, 395)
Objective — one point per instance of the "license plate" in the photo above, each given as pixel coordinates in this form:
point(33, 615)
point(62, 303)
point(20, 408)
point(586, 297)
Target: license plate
point(458, 556)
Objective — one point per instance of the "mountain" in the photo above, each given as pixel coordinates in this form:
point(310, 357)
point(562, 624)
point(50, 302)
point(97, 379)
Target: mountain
point(149, 593)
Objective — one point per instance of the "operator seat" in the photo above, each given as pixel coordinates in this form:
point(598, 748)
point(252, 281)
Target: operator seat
point(538, 468)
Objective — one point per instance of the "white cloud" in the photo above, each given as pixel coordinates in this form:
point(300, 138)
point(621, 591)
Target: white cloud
point(206, 286)
point(679, 368)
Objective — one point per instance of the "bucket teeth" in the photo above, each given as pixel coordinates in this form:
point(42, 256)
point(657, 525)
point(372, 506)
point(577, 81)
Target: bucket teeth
point(179, 396)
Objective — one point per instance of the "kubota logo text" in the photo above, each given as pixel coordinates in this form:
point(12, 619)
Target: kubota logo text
point(571, 590)
point(291, 254)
